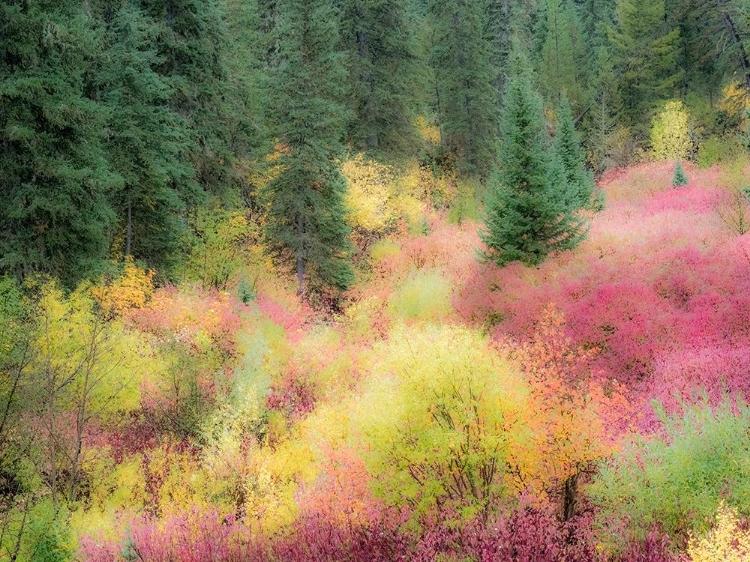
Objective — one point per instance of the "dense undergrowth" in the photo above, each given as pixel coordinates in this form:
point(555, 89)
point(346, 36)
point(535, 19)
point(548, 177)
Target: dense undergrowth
point(586, 409)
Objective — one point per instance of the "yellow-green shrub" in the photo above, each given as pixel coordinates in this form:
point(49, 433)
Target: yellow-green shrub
point(425, 295)
point(384, 249)
point(441, 420)
point(670, 138)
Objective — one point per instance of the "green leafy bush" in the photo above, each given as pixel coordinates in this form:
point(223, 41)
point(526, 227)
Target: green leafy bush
point(715, 150)
point(679, 481)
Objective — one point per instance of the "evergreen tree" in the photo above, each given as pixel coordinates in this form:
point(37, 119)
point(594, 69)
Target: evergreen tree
point(597, 16)
point(602, 118)
point(646, 51)
point(385, 74)
point(529, 213)
point(54, 216)
point(147, 142)
point(466, 101)
point(192, 46)
point(568, 148)
point(679, 178)
point(247, 134)
point(510, 22)
point(564, 65)
point(306, 230)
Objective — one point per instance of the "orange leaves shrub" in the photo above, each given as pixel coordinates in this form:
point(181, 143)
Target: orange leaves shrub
point(341, 495)
point(132, 290)
point(578, 415)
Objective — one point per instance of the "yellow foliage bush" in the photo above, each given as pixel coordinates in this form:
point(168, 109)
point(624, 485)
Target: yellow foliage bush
point(369, 194)
point(443, 410)
point(133, 289)
point(726, 542)
point(670, 138)
point(430, 133)
point(425, 295)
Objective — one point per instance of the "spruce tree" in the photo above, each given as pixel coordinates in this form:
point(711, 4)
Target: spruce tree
point(646, 52)
point(529, 213)
point(568, 148)
point(564, 64)
point(306, 229)
point(148, 143)
point(192, 45)
point(679, 178)
point(54, 216)
point(509, 22)
point(464, 73)
point(386, 74)
point(247, 134)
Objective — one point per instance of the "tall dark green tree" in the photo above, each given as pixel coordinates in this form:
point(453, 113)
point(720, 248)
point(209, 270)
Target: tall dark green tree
point(386, 73)
point(54, 216)
point(306, 229)
point(466, 102)
point(247, 134)
point(510, 22)
point(646, 51)
point(580, 181)
point(529, 213)
point(147, 142)
point(192, 45)
point(564, 62)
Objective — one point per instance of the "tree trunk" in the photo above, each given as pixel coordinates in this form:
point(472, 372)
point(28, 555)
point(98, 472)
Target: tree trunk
point(300, 258)
point(570, 492)
point(740, 47)
point(129, 230)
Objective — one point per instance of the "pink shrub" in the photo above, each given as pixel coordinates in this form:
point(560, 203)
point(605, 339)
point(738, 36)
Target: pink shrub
point(180, 316)
point(193, 537)
point(294, 394)
point(657, 285)
point(293, 322)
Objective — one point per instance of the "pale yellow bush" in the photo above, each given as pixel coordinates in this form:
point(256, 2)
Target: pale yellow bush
point(369, 194)
point(725, 542)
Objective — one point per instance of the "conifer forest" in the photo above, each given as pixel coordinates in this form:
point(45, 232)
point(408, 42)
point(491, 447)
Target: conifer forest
point(374, 280)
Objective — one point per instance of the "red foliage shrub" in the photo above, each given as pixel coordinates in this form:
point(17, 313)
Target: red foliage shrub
point(656, 548)
point(294, 395)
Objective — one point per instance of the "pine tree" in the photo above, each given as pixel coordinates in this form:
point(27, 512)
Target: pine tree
point(247, 133)
point(147, 142)
point(646, 51)
point(466, 104)
point(564, 65)
point(679, 178)
point(385, 74)
point(509, 23)
point(306, 229)
point(529, 214)
point(54, 216)
point(568, 148)
point(192, 46)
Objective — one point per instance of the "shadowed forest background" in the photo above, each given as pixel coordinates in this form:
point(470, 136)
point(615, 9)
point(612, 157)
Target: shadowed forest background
point(374, 280)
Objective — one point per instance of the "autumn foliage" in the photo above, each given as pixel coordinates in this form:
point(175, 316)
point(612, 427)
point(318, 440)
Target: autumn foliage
point(587, 409)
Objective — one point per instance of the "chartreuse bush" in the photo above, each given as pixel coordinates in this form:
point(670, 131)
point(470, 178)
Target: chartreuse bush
point(441, 421)
point(679, 481)
point(425, 295)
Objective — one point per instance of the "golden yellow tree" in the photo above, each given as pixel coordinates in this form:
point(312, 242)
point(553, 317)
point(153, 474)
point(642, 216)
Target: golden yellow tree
point(670, 136)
